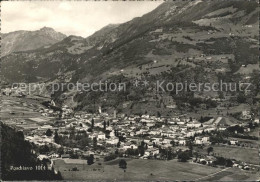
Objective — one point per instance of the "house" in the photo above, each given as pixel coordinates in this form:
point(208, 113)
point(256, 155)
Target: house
point(167, 140)
point(157, 140)
point(150, 124)
point(235, 165)
point(180, 123)
point(65, 156)
point(154, 132)
point(202, 140)
point(133, 146)
point(53, 156)
point(112, 133)
point(182, 142)
point(246, 129)
point(233, 142)
point(246, 115)
point(145, 140)
point(146, 153)
point(256, 121)
point(88, 153)
point(127, 145)
point(209, 129)
point(150, 145)
point(223, 128)
point(203, 161)
point(198, 141)
point(153, 151)
point(101, 136)
point(194, 124)
point(246, 167)
point(112, 141)
point(41, 157)
point(76, 149)
point(190, 134)
point(45, 127)
point(205, 139)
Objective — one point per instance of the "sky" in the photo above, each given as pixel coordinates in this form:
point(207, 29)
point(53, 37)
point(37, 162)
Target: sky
point(81, 18)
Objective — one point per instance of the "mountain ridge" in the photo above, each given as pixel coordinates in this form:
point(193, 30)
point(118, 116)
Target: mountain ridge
point(24, 40)
point(118, 46)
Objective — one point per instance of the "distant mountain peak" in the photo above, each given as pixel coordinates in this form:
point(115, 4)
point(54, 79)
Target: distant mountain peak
point(47, 29)
point(28, 40)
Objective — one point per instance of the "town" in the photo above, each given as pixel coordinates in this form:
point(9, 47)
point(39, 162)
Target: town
point(100, 137)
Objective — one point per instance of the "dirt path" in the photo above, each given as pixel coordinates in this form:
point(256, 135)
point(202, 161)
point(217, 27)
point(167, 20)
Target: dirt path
point(211, 175)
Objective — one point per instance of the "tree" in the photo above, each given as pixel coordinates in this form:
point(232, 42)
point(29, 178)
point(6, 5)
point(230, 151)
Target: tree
point(110, 157)
point(183, 157)
point(91, 159)
point(44, 149)
point(141, 150)
point(142, 143)
point(210, 149)
point(229, 163)
point(122, 164)
point(158, 114)
point(92, 123)
point(95, 142)
point(250, 125)
point(19, 153)
point(118, 144)
point(74, 155)
point(56, 137)
point(196, 155)
point(105, 125)
point(170, 155)
point(48, 132)
point(220, 161)
point(173, 143)
point(190, 148)
point(60, 151)
point(154, 145)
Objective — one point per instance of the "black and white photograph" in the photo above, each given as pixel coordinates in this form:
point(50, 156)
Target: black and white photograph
point(135, 90)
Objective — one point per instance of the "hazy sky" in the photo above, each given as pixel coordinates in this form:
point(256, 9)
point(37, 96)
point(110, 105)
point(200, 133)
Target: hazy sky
point(70, 17)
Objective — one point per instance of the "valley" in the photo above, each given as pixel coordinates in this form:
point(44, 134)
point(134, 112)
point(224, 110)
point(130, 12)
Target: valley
point(200, 123)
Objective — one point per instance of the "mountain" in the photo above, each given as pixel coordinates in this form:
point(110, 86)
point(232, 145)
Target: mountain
point(29, 40)
point(63, 56)
point(176, 28)
point(197, 41)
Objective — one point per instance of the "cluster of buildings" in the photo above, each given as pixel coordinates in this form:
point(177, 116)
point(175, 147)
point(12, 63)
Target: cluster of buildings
point(122, 132)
